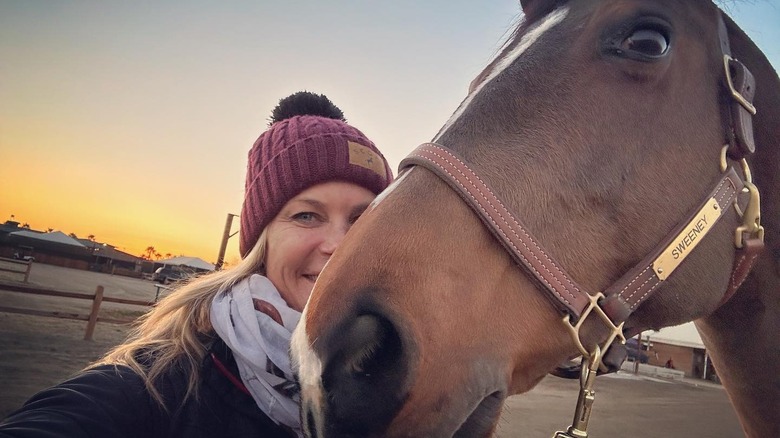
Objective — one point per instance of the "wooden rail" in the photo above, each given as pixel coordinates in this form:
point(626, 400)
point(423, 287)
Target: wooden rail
point(26, 272)
point(92, 319)
point(159, 287)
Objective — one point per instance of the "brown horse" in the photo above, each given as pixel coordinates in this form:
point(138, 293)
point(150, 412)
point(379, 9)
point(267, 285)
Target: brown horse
point(600, 129)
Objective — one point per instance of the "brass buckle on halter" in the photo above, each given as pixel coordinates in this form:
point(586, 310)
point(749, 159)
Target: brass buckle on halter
point(751, 217)
point(616, 331)
point(579, 426)
point(734, 93)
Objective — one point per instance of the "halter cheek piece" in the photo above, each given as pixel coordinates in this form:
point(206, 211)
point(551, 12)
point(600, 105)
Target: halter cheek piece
point(620, 300)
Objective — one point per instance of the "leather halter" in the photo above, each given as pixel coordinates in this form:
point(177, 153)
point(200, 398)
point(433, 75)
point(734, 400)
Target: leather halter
point(571, 298)
point(622, 298)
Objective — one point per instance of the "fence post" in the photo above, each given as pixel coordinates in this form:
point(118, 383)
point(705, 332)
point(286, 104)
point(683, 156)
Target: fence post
point(93, 315)
point(27, 272)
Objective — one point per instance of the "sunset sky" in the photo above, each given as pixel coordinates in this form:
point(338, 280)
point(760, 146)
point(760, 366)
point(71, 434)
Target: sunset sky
point(131, 120)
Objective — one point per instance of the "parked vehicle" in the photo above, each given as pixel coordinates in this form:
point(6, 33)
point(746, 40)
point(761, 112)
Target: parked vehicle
point(635, 353)
point(168, 274)
point(25, 258)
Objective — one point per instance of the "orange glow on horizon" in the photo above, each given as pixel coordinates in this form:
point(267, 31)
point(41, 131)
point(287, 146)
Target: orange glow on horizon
point(45, 197)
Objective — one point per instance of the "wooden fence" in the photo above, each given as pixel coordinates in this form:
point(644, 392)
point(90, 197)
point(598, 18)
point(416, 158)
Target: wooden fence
point(92, 319)
point(25, 271)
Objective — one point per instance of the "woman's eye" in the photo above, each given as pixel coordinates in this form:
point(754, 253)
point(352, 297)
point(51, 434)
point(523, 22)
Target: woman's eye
point(305, 216)
point(646, 42)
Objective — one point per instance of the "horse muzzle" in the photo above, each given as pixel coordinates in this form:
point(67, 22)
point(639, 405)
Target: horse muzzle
point(357, 380)
point(362, 382)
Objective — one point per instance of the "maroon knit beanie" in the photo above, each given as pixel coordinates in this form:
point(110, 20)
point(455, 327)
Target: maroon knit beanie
point(308, 143)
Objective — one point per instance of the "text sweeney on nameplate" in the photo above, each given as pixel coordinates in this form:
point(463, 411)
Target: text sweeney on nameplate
point(687, 239)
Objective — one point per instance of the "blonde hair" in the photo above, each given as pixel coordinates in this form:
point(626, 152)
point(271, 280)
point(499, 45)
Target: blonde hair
point(177, 332)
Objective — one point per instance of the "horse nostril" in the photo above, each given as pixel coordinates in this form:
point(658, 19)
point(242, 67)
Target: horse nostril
point(373, 343)
point(364, 380)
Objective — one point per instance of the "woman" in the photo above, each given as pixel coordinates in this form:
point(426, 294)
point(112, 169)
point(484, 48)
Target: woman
point(211, 358)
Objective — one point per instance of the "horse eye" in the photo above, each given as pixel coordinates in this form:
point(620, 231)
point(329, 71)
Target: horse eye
point(646, 42)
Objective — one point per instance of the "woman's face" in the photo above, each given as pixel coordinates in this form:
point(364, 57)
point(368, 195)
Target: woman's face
point(302, 237)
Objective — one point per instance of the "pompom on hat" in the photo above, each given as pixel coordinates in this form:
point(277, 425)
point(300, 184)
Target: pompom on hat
point(308, 142)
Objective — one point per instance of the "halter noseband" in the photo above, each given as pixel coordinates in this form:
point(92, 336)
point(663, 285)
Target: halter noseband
point(620, 300)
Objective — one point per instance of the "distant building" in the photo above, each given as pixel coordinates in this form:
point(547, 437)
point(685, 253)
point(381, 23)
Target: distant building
point(195, 263)
point(680, 347)
point(54, 248)
point(108, 259)
point(57, 248)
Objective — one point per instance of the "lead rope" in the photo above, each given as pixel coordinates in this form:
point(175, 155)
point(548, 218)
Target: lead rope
point(579, 426)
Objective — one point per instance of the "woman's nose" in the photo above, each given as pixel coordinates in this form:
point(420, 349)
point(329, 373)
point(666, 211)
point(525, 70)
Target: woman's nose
point(333, 237)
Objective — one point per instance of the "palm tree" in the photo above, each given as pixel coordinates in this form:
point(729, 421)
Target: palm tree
point(73, 235)
point(148, 253)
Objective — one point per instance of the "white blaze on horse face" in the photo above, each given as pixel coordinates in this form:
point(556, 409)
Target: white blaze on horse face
point(529, 38)
point(380, 197)
point(306, 363)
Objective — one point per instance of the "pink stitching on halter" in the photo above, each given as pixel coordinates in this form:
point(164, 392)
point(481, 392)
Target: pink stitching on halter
point(633, 306)
point(719, 198)
point(530, 237)
point(498, 227)
point(733, 282)
point(632, 282)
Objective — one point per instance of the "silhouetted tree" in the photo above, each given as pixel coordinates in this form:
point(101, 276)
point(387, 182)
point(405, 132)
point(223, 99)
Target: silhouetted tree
point(49, 230)
point(148, 253)
point(73, 235)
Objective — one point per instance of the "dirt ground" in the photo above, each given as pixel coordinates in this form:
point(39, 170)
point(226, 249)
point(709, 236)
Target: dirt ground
point(36, 352)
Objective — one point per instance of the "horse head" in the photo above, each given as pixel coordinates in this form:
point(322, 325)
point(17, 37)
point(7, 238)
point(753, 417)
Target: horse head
point(600, 129)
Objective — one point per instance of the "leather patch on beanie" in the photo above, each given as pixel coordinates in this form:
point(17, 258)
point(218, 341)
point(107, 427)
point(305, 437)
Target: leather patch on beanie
point(362, 156)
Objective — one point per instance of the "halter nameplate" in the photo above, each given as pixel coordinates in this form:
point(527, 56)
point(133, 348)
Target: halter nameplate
point(686, 241)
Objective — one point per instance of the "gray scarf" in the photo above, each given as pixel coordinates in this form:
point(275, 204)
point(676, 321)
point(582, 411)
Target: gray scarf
point(260, 341)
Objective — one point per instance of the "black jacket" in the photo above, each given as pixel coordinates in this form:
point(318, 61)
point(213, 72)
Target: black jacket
point(109, 401)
